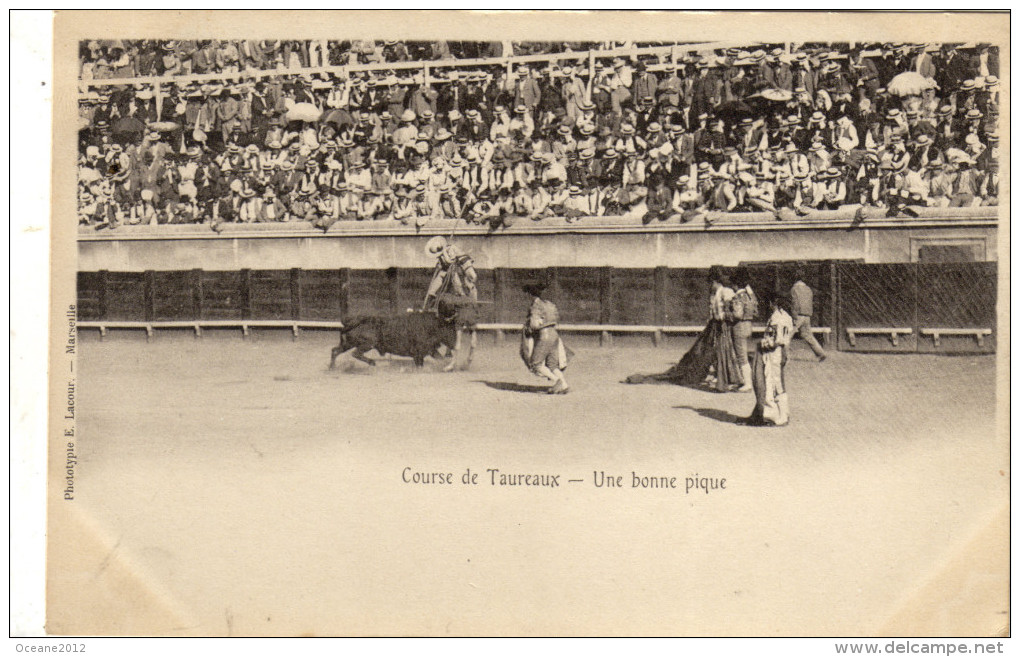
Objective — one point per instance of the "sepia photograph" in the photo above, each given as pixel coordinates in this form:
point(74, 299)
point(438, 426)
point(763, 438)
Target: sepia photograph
point(425, 323)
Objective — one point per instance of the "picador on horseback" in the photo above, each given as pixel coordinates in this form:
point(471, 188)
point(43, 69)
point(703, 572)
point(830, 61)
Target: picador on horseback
point(454, 281)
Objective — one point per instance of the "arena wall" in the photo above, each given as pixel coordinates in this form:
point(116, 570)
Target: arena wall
point(594, 242)
point(885, 284)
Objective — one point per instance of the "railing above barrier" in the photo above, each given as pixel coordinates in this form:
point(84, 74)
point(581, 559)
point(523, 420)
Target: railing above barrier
point(842, 219)
point(672, 53)
point(499, 330)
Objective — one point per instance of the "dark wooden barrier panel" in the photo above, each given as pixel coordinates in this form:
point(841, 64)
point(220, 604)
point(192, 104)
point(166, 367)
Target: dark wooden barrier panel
point(173, 296)
point(956, 295)
point(270, 294)
point(91, 295)
point(660, 279)
point(370, 292)
point(412, 284)
point(222, 294)
point(515, 302)
point(321, 294)
point(632, 296)
point(686, 293)
point(125, 296)
point(878, 296)
point(578, 295)
point(487, 293)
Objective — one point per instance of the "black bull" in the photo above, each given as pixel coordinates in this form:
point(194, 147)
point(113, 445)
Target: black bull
point(412, 334)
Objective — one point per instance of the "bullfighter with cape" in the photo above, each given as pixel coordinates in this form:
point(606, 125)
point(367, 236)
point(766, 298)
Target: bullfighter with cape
point(542, 349)
point(712, 358)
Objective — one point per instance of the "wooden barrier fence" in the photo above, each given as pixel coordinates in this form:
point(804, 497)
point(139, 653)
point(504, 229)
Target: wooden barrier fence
point(865, 307)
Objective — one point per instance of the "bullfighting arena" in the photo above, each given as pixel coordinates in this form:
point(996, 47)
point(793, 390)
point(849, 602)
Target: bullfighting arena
point(200, 458)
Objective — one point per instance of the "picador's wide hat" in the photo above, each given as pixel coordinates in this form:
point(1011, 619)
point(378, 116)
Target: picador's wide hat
point(435, 244)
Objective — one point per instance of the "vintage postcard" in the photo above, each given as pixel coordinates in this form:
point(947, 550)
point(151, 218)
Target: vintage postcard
point(422, 323)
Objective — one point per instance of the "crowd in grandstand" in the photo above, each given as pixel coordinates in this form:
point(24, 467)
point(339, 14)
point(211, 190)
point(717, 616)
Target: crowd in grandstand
point(670, 136)
point(124, 58)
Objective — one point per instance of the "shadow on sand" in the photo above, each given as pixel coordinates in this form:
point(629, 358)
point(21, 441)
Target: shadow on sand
point(716, 414)
point(650, 379)
point(514, 387)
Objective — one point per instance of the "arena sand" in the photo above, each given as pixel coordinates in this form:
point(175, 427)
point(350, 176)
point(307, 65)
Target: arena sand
point(245, 489)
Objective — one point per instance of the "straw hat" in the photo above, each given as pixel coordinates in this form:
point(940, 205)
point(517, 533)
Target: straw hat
point(436, 244)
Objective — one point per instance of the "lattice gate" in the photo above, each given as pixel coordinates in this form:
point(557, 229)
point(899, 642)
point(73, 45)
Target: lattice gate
point(914, 307)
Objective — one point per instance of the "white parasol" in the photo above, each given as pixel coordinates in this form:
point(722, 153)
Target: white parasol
point(303, 112)
point(909, 84)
